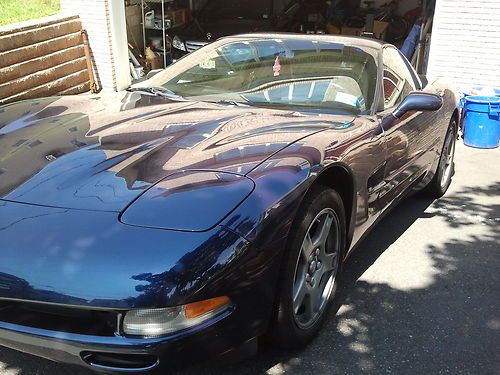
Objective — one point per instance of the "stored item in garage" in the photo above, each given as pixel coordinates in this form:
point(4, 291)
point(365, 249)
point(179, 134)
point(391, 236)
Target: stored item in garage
point(149, 19)
point(153, 59)
point(219, 18)
point(379, 29)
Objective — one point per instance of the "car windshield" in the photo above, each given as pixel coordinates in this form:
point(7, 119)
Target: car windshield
point(230, 9)
point(300, 72)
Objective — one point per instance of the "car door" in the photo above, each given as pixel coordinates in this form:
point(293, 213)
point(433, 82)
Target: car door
point(407, 157)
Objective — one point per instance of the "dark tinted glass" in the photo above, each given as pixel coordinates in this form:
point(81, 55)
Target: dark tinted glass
point(231, 9)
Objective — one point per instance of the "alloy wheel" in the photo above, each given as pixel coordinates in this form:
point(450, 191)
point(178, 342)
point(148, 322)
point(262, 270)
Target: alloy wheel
point(448, 155)
point(317, 268)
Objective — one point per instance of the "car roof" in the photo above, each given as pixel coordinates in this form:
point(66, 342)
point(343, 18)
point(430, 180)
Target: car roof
point(353, 40)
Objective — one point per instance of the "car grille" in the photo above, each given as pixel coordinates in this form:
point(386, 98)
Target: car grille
point(194, 45)
point(60, 318)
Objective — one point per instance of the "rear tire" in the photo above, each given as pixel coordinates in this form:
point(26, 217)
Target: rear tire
point(309, 276)
point(446, 168)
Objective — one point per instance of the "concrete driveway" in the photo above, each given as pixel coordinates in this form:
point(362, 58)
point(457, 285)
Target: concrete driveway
point(420, 296)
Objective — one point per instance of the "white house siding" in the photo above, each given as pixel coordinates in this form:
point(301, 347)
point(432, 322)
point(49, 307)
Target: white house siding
point(104, 21)
point(465, 46)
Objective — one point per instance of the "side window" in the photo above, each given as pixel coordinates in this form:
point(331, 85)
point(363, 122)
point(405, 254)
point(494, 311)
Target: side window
point(398, 81)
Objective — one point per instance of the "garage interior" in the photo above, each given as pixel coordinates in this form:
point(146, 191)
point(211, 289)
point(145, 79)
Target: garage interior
point(155, 27)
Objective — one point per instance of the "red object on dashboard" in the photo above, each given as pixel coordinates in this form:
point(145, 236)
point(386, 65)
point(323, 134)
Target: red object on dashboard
point(277, 66)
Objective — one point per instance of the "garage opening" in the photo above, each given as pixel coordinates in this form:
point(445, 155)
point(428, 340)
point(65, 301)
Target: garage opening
point(162, 31)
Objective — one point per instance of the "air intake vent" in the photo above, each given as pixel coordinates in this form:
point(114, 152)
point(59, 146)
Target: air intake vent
point(58, 318)
point(121, 362)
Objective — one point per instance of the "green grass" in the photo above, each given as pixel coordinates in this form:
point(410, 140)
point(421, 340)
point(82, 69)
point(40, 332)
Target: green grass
point(12, 11)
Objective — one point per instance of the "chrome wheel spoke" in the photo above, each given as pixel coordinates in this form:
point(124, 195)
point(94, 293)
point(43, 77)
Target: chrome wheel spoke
point(329, 262)
point(307, 246)
point(316, 299)
point(447, 160)
point(323, 231)
point(450, 155)
point(299, 295)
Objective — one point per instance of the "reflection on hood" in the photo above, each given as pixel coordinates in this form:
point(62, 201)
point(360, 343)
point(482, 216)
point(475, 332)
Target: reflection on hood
point(101, 152)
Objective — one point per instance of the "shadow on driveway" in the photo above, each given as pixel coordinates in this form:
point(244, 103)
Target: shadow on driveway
point(450, 326)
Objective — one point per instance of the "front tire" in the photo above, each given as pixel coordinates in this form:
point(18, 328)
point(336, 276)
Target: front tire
point(442, 179)
point(311, 268)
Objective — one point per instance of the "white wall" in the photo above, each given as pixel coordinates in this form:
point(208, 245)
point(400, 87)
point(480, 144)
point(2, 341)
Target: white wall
point(104, 21)
point(465, 45)
point(118, 37)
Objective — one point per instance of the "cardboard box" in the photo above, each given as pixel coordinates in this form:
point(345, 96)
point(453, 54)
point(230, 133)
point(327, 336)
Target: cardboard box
point(333, 29)
point(379, 29)
point(179, 16)
point(353, 31)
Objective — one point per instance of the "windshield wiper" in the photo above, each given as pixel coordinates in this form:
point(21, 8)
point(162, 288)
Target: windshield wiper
point(229, 102)
point(157, 91)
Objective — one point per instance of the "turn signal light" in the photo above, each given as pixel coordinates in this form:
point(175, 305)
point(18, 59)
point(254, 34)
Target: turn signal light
point(159, 322)
point(196, 309)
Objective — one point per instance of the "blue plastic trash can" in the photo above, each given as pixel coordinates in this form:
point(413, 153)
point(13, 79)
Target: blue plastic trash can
point(482, 121)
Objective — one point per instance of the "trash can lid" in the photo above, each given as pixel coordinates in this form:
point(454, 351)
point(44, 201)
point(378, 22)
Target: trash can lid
point(482, 99)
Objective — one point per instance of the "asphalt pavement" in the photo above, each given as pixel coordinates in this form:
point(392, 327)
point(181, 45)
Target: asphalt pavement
point(421, 295)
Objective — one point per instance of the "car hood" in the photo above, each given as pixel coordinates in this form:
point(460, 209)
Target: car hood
point(102, 152)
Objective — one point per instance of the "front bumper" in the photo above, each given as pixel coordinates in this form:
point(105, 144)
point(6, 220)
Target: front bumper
point(119, 354)
point(86, 268)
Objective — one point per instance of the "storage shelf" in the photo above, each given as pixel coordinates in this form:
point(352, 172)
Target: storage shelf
point(161, 28)
point(178, 16)
point(159, 1)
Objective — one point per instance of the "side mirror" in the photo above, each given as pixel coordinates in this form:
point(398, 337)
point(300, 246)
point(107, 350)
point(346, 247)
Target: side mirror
point(152, 73)
point(418, 101)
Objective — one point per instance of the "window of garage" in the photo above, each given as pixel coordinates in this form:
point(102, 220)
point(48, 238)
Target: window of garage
point(162, 31)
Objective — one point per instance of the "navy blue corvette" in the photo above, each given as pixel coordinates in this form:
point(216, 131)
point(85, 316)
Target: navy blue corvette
point(212, 204)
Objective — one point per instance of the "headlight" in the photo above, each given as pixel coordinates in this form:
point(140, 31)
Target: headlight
point(159, 322)
point(178, 43)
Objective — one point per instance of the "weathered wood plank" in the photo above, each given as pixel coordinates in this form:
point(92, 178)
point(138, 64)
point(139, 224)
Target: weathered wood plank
point(25, 68)
point(42, 57)
point(35, 23)
point(50, 88)
point(37, 35)
point(33, 51)
point(78, 89)
point(42, 77)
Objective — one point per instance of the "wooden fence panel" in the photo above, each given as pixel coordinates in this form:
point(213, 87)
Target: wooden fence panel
point(42, 58)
